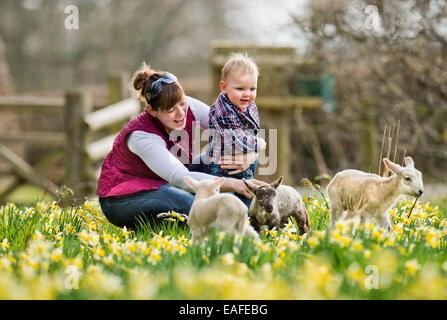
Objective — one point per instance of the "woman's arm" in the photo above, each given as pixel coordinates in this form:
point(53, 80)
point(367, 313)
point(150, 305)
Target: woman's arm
point(152, 150)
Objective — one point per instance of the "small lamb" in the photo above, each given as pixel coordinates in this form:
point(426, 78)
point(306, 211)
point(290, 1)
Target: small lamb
point(370, 195)
point(212, 209)
point(275, 203)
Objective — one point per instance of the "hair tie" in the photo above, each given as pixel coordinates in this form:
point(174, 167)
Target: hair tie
point(156, 87)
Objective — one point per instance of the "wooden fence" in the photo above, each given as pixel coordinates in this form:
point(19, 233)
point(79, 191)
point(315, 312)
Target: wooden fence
point(87, 136)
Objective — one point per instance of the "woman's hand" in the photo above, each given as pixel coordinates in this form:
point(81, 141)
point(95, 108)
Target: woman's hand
point(236, 185)
point(238, 162)
point(258, 182)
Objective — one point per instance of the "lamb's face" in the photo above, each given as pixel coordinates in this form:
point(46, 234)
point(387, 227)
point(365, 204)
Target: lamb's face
point(210, 188)
point(265, 194)
point(411, 182)
point(205, 188)
point(410, 178)
point(265, 197)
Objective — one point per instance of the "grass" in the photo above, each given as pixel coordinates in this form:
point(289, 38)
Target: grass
point(29, 194)
point(48, 252)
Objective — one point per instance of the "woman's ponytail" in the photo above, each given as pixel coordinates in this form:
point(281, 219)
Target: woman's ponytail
point(142, 78)
point(171, 94)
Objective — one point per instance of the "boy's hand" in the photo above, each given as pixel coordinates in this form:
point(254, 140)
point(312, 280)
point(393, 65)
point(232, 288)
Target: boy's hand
point(238, 162)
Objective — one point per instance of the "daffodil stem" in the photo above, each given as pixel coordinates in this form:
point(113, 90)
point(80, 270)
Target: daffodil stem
point(327, 205)
point(324, 198)
point(413, 206)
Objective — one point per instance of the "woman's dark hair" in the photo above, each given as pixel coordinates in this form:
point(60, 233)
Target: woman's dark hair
point(170, 95)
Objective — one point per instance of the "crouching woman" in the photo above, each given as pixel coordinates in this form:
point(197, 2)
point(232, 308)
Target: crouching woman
point(144, 173)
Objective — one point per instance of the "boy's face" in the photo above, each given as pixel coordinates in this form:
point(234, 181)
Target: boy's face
point(240, 89)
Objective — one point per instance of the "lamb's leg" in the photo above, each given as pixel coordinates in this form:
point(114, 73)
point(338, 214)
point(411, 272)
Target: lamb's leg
point(336, 213)
point(363, 216)
point(302, 221)
point(274, 221)
point(254, 223)
point(250, 232)
point(193, 239)
point(336, 207)
point(385, 221)
point(197, 233)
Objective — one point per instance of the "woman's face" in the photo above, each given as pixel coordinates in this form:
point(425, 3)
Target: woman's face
point(174, 118)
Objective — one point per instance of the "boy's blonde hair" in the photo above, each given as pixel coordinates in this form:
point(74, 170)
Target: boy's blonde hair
point(241, 63)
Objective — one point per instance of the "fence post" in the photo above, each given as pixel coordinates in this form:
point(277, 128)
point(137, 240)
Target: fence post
point(78, 104)
point(118, 83)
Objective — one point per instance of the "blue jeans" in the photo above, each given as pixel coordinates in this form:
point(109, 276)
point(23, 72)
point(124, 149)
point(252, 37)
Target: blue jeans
point(145, 205)
point(216, 170)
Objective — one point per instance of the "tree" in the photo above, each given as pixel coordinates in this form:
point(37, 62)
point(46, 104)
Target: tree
point(113, 35)
point(392, 70)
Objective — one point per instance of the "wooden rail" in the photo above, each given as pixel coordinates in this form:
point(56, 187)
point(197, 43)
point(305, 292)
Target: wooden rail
point(110, 115)
point(34, 137)
point(87, 136)
point(33, 104)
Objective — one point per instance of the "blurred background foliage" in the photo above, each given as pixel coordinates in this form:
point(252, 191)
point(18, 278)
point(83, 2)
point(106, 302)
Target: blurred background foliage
point(396, 72)
point(112, 35)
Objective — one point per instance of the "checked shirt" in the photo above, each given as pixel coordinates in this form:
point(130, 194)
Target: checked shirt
point(232, 131)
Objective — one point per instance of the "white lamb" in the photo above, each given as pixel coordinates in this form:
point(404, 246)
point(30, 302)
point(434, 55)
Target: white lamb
point(370, 195)
point(211, 209)
point(275, 203)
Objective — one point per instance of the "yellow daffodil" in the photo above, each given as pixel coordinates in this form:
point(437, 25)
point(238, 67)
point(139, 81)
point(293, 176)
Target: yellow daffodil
point(411, 267)
point(228, 258)
point(357, 245)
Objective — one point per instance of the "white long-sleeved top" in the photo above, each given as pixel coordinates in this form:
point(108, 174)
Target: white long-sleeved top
point(152, 150)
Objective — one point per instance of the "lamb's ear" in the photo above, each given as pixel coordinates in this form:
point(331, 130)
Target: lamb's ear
point(275, 184)
point(217, 183)
point(391, 165)
point(250, 185)
point(190, 181)
point(409, 162)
